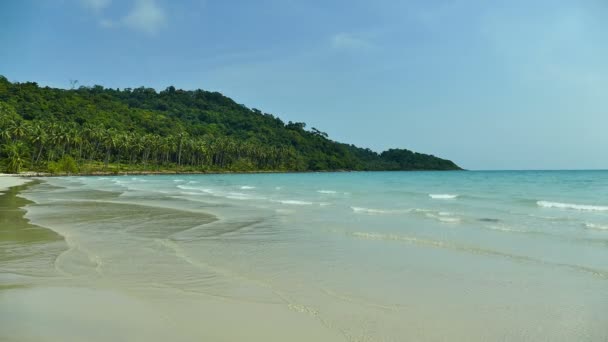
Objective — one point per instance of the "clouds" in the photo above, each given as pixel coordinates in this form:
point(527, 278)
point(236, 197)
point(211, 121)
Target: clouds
point(145, 16)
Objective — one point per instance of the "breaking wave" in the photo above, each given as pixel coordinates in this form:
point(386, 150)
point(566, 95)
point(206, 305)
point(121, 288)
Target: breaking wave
point(294, 202)
point(442, 196)
point(585, 207)
point(378, 211)
point(185, 187)
point(595, 226)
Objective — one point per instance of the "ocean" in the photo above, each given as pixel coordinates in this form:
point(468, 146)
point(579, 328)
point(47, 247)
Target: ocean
point(350, 256)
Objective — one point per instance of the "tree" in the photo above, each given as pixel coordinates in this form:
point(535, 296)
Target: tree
point(16, 156)
point(172, 129)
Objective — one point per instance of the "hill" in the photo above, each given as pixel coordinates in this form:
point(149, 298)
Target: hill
point(92, 129)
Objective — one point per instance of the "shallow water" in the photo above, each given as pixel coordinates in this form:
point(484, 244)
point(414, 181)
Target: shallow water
point(426, 256)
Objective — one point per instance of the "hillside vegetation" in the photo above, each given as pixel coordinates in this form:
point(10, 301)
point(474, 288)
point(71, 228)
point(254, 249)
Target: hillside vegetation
point(97, 129)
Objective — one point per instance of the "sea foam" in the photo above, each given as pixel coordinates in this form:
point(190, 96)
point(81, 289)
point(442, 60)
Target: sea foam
point(294, 202)
point(595, 226)
point(444, 217)
point(585, 207)
point(442, 196)
point(363, 210)
point(185, 187)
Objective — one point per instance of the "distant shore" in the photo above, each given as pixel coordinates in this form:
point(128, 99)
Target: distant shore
point(144, 173)
point(29, 174)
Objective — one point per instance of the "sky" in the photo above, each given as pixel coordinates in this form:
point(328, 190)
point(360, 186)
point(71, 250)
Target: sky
point(488, 84)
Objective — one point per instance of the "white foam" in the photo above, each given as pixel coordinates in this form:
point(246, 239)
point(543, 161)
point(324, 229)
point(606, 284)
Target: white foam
point(326, 191)
point(596, 226)
point(178, 180)
point(294, 202)
point(247, 187)
point(585, 207)
point(443, 217)
point(376, 211)
point(184, 187)
point(239, 197)
point(189, 193)
point(242, 196)
point(442, 196)
point(505, 229)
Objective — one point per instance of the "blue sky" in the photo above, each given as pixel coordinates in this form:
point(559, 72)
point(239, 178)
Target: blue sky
point(488, 84)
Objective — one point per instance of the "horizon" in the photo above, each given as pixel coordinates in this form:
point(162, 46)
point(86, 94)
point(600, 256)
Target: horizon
point(454, 79)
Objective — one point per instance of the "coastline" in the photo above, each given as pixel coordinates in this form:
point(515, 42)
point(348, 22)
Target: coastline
point(30, 174)
point(11, 180)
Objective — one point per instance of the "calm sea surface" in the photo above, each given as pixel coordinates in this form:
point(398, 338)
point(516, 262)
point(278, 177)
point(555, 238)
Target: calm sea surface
point(395, 256)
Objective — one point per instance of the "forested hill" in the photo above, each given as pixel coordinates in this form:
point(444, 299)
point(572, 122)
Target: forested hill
point(92, 129)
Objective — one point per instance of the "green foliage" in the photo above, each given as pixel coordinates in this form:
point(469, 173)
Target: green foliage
point(94, 128)
point(407, 160)
point(15, 153)
point(66, 164)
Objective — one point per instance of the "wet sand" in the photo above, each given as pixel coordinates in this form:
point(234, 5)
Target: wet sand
point(7, 181)
point(40, 301)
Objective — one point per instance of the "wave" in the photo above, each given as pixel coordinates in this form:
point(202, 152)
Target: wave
point(507, 229)
point(584, 207)
point(247, 187)
point(242, 196)
point(375, 211)
point(189, 193)
point(442, 196)
point(444, 217)
point(238, 196)
point(294, 202)
point(326, 191)
point(440, 216)
point(185, 187)
point(368, 210)
point(595, 226)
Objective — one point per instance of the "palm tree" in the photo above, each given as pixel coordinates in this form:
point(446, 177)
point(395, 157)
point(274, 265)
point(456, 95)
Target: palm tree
point(16, 156)
point(38, 138)
point(18, 130)
point(110, 140)
point(180, 137)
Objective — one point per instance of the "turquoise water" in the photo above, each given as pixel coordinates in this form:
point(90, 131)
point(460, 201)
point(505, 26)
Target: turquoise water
point(377, 256)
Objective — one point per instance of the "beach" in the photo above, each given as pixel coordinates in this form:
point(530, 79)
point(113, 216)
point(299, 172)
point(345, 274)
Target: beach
point(514, 256)
point(8, 181)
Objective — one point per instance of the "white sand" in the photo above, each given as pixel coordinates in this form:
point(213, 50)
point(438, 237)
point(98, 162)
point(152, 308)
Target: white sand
point(8, 181)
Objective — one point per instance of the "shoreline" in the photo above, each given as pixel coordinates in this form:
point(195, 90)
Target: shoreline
point(8, 181)
point(30, 174)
